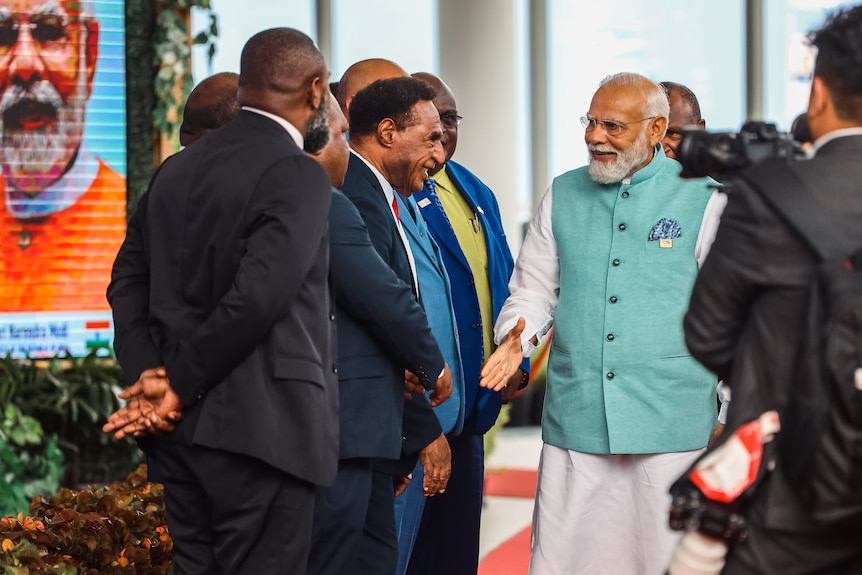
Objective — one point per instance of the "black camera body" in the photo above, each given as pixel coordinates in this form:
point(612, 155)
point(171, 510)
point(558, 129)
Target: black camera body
point(722, 154)
point(691, 510)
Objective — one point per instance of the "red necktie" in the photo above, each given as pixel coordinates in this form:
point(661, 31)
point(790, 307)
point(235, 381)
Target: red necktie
point(395, 208)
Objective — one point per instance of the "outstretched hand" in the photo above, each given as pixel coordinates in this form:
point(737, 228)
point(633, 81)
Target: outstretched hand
point(153, 407)
point(505, 360)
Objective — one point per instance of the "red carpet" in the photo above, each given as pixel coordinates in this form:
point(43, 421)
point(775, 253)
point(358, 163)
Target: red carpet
point(512, 557)
point(511, 482)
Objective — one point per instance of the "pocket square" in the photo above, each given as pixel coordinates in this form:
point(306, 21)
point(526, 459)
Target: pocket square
point(665, 229)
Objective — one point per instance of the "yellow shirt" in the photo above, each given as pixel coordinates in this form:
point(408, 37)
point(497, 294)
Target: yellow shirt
point(471, 237)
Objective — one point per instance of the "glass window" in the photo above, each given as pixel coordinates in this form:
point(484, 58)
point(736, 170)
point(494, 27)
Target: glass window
point(697, 43)
point(789, 61)
point(404, 32)
point(237, 23)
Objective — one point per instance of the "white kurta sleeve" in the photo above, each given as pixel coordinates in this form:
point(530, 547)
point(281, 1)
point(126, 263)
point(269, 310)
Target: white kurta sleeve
point(534, 287)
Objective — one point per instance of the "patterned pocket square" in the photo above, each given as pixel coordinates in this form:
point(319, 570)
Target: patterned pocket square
point(665, 229)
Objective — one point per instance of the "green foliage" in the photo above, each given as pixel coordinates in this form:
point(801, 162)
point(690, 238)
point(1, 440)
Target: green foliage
point(173, 60)
point(29, 463)
point(116, 530)
point(72, 398)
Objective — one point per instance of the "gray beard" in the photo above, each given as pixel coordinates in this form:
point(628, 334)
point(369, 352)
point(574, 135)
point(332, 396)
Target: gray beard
point(625, 162)
point(34, 159)
point(317, 133)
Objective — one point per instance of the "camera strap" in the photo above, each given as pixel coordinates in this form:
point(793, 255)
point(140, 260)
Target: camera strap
point(778, 183)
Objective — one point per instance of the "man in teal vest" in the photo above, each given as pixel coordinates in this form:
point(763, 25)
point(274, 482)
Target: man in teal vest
point(609, 260)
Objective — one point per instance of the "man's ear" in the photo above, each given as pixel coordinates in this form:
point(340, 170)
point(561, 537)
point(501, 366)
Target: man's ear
point(386, 132)
point(315, 92)
point(91, 51)
point(702, 124)
point(820, 99)
point(656, 130)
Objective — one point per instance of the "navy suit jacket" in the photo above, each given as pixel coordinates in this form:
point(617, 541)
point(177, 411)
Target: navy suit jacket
point(420, 425)
point(382, 330)
point(500, 264)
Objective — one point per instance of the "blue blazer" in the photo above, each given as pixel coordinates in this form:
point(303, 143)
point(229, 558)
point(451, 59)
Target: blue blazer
point(435, 295)
point(482, 403)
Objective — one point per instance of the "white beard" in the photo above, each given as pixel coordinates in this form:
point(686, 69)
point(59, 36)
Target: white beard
point(626, 160)
point(33, 160)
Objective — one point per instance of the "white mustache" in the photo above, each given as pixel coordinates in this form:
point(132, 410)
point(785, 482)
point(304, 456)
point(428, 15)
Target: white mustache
point(601, 149)
point(42, 92)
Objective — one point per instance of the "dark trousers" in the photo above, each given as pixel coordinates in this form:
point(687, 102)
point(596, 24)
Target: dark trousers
point(379, 550)
point(233, 514)
point(448, 538)
point(339, 518)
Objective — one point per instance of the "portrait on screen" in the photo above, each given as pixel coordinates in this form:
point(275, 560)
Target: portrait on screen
point(62, 152)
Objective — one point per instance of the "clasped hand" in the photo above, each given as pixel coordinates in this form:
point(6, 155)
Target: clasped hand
point(153, 407)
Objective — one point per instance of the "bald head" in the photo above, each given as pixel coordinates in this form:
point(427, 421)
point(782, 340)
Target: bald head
point(363, 74)
point(211, 105)
point(282, 72)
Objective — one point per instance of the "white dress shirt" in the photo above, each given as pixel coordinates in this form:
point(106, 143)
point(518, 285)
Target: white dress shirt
point(389, 192)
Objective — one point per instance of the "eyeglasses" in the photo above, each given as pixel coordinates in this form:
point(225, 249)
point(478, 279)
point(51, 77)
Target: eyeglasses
point(46, 29)
point(611, 127)
point(451, 119)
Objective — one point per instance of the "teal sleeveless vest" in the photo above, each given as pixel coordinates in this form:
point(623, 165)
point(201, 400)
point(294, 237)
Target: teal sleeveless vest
point(620, 379)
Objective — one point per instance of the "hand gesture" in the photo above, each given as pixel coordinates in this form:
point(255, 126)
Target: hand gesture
point(505, 360)
point(412, 385)
point(153, 407)
point(443, 389)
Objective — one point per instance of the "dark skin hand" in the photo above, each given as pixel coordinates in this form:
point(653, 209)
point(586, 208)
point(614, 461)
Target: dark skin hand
point(153, 407)
point(510, 390)
point(436, 460)
point(442, 391)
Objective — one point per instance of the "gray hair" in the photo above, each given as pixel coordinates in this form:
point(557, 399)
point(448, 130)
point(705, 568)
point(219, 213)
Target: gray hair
point(656, 104)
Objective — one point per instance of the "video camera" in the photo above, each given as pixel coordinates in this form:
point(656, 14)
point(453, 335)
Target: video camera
point(723, 154)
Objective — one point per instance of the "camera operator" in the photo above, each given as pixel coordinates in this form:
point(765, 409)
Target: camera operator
point(747, 307)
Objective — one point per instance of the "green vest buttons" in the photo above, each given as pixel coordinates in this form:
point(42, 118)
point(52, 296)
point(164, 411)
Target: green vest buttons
point(610, 375)
point(622, 227)
point(624, 195)
point(613, 299)
point(610, 337)
point(616, 262)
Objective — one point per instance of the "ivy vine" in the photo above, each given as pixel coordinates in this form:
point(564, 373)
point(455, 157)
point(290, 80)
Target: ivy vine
point(173, 51)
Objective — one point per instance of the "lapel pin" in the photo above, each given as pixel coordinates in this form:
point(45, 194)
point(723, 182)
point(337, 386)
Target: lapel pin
point(424, 202)
point(665, 243)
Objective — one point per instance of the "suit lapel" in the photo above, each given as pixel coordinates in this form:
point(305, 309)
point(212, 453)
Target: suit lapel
point(432, 211)
point(415, 229)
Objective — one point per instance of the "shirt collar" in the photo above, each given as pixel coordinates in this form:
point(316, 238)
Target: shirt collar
point(387, 187)
point(60, 195)
point(291, 129)
point(834, 135)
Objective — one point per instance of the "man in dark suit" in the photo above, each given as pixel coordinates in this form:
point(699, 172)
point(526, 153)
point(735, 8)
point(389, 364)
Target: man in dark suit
point(382, 331)
point(395, 137)
point(749, 301)
point(464, 219)
point(245, 334)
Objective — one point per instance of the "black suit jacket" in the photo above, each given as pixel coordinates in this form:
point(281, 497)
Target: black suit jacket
point(227, 258)
point(420, 425)
point(382, 330)
point(748, 306)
